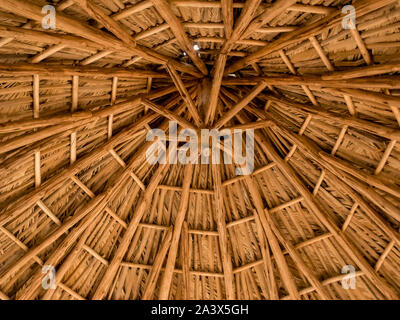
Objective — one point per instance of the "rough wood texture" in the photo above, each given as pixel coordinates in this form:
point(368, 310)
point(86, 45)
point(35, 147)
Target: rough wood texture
point(77, 191)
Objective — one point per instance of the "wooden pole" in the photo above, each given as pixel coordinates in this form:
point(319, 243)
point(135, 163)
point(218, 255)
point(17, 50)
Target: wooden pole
point(166, 279)
point(142, 206)
point(222, 231)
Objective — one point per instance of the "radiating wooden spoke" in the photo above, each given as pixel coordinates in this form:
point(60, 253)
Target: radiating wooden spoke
point(77, 192)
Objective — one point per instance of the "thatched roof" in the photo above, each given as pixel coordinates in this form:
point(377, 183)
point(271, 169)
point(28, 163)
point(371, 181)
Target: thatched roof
point(77, 194)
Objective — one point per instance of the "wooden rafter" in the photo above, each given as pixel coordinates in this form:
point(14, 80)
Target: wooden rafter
point(247, 14)
point(227, 13)
point(377, 129)
point(277, 8)
point(339, 236)
point(30, 198)
point(223, 237)
point(215, 88)
point(70, 25)
point(169, 114)
point(78, 193)
point(330, 225)
point(327, 221)
point(240, 105)
point(158, 262)
point(273, 242)
point(185, 95)
point(186, 44)
point(361, 7)
point(142, 206)
point(173, 250)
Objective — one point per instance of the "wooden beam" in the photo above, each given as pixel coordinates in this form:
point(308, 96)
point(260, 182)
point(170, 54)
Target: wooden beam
point(114, 89)
point(179, 189)
point(240, 5)
point(168, 114)
point(23, 34)
point(36, 96)
point(240, 105)
point(362, 8)
point(64, 4)
point(327, 221)
point(385, 156)
point(349, 186)
point(368, 71)
point(321, 53)
point(125, 13)
point(142, 206)
point(36, 112)
point(185, 254)
point(388, 82)
point(326, 282)
point(227, 14)
point(185, 95)
point(32, 197)
point(384, 100)
point(43, 69)
point(215, 88)
point(280, 260)
point(96, 57)
point(186, 44)
point(277, 8)
point(191, 272)
point(74, 107)
point(166, 279)
point(109, 23)
point(246, 15)
point(47, 53)
point(383, 131)
point(151, 31)
point(276, 29)
point(70, 25)
point(152, 278)
point(375, 181)
point(38, 175)
point(312, 9)
point(361, 45)
point(222, 231)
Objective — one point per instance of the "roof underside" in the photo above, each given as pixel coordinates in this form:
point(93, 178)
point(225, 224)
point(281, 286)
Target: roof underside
point(77, 194)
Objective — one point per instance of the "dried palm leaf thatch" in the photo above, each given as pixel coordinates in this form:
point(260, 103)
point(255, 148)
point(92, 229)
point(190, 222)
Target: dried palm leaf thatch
point(78, 195)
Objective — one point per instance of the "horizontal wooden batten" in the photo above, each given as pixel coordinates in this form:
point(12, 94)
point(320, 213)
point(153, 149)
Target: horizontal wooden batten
point(50, 70)
point(240, 178)
point(77, 193)
point(179, 189)
point(179, 271)
point(240, 5)
point(389, 82)
point(325, 283)
point(377, 129)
